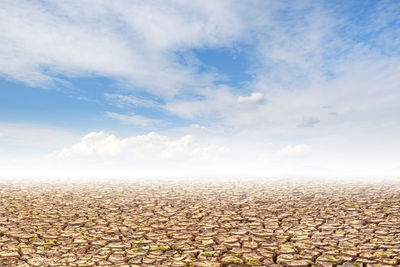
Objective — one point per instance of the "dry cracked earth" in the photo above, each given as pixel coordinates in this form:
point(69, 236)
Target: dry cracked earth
point(178, 223)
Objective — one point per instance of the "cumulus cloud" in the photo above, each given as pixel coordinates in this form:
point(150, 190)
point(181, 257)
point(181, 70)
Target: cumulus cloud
point(151, 145)
point(296, 150)
point(132, 119)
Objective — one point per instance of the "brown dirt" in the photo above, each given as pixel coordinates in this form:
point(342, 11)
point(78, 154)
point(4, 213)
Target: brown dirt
point(177, 223)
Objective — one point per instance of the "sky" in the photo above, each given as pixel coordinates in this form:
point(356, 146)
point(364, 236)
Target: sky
point(154, 89)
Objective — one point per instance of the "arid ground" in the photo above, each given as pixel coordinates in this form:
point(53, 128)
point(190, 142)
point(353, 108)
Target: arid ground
point(203, 223)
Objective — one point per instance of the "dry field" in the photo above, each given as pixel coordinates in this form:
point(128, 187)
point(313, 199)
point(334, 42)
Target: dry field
point(178, 223)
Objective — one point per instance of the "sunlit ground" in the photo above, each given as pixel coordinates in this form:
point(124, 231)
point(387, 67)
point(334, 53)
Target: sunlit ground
point(200, 223)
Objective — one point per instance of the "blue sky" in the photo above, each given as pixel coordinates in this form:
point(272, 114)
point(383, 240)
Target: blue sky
point(214, 88)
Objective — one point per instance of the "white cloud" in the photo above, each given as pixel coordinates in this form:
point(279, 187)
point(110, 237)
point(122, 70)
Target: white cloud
point(308, 122)
point(151, 145)
point(296, 150)
point(132, 119)
point(304, 58)
point(100, 155)
point(310, 60)
point(254, 98)
point(214, 102)
point(197, 127)
point(127, 40)
point(122, 101)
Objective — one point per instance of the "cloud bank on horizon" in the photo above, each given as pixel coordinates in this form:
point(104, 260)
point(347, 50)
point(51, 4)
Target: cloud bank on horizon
point(199, 88)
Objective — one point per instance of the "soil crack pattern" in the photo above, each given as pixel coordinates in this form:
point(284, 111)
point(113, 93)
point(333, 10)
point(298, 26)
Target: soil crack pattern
point(200, 223)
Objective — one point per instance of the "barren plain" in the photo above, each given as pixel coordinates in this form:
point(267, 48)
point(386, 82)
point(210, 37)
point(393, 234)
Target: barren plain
point(200, 223)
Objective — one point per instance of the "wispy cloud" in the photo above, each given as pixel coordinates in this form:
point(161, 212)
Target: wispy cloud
point(124, 101)
point(322, 75)
point(306, 58)
point(42, 42)
point(132, 119)
point(308, 122)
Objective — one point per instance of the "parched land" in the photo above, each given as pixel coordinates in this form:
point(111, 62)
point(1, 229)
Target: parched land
point(178, 223)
